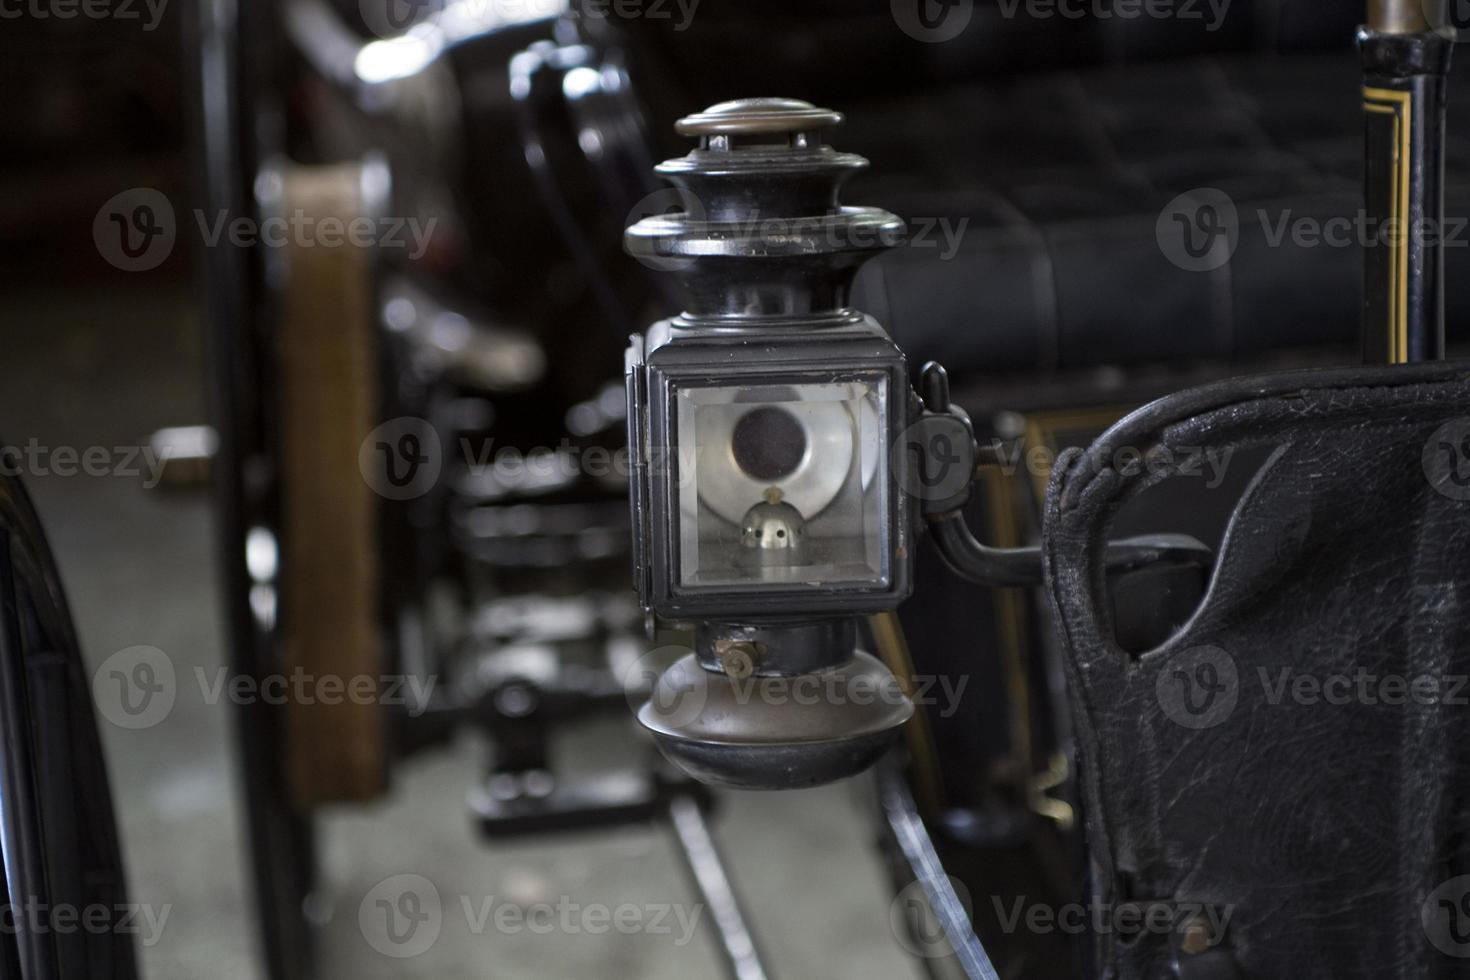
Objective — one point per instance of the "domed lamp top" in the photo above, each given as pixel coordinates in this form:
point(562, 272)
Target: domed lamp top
point(744, 117)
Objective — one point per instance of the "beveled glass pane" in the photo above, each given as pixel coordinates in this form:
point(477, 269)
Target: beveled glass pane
point(782, 484)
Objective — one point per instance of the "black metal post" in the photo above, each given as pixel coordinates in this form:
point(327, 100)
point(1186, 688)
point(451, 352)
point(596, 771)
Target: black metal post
point(227, 38)
point(1405, 63)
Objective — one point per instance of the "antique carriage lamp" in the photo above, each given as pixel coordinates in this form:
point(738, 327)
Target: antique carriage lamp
point(781, 463)
point(768, 510)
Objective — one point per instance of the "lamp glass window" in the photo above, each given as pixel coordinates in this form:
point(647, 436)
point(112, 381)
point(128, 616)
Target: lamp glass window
point(783, 484)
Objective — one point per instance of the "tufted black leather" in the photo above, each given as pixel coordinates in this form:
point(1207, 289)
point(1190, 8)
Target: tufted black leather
point(1051, 145)
point(1060, 177)
point(1333, 834)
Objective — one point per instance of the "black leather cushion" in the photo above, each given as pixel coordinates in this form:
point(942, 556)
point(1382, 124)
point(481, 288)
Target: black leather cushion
point(1061, 178)
point(1333, 829)
point(841, 51)
point(1059, 140)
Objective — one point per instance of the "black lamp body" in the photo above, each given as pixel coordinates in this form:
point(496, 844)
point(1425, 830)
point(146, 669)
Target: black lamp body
point(768, 508)
point(668, 368)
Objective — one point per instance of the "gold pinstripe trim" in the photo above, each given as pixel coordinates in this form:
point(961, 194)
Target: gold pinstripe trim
point(893, 650)
point(1400, 105)
point(1010, 615)
point(1042, 429)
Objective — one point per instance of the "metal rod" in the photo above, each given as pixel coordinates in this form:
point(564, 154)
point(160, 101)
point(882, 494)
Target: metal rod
point(1405, 64)
point(918, 850)
point(1021, 567)
point(702, 857)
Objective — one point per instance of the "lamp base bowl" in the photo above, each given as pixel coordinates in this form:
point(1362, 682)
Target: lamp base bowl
point(776, 732)
point(775, 767)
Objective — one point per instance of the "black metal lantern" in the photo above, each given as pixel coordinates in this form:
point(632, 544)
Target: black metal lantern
point(768, 509)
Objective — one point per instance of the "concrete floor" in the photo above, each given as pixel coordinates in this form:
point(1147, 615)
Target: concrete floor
point(105, 368)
